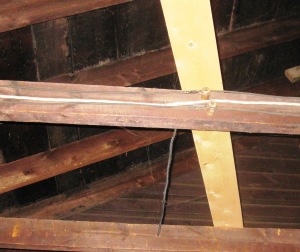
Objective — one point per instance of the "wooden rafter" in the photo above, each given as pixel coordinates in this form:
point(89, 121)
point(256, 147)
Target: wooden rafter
point(267, 34)
point(93, 236)
point(16, 14)
point(151, 108)
point(157, 64)
point(66, 158)
point(99, 192)
point(192, 35)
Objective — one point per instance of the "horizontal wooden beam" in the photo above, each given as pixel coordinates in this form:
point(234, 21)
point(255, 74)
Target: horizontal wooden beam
point(16, 14)
point(99, 192)
point(257, 37)
point(66, 158)
point(151, 108)
point(95, 236)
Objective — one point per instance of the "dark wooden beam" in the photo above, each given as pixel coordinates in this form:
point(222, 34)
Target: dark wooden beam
point(156, 64)
point(228, 116)
point(95, 236)
point(15, 14)
point(68, 157)
point(99, 192)
point(257, 37)
point(124, 73)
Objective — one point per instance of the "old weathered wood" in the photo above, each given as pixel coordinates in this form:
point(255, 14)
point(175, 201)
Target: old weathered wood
point(257, 37)
point(157, 64)
point(99, 192)
point(266, 118)
point(93, 236)
point(73, 156)
point(15, 14)
point(17, 57)
point(193, 41)
point(126, 72)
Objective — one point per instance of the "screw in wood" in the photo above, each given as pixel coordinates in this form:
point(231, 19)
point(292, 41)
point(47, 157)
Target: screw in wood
point(205, 93)
point(211, 107)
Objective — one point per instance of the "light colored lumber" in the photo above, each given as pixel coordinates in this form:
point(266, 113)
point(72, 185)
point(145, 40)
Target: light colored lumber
point(98, 236)
point(193, 42)
point(293, 74)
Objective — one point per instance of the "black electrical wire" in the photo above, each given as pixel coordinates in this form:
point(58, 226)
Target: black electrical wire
point(165, 195)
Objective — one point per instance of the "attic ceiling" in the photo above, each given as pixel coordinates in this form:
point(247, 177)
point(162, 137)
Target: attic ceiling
point(126, 44)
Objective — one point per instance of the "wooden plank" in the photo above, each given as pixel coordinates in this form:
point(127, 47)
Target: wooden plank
point(257, 37)
point(184, 219)
point(93, 236)
point(151, 108)
point(66, 158)
point(126, 72)
point(102, 191)
point(50, 44)
point(17, 60)
point(193, 41)
point(15, 14)
point(148, 218)
point(156, 64)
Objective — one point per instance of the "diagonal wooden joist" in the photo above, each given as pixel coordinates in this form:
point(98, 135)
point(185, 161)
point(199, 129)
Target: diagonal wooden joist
point(192, 36)
point(16, 14)
point(97, 236)
point(102, 191)
point(75, 155)
point(151, 108)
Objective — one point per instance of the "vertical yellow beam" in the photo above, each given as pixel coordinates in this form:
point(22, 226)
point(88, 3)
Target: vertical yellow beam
point(193, 42)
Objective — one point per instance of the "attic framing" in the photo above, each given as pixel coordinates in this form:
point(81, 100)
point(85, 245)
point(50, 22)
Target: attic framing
point(12, 237)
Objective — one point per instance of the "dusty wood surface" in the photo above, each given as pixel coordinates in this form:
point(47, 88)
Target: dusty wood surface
point(192, 35)
point(16, 14)
point(227, 117)
point(72, 156)
point(91, 236)
point(99, 192)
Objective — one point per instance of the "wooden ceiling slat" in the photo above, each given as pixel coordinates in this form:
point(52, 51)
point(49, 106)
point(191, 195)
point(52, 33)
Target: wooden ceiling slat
point(102, 191)
point(124, 73)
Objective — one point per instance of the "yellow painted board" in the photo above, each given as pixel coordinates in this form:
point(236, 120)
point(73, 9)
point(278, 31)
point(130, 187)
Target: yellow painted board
point(192, 36)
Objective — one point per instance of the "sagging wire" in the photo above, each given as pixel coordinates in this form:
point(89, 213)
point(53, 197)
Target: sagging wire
point(167, 184)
